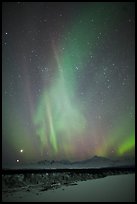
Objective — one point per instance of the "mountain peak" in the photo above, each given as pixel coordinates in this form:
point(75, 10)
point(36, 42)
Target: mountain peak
point(96, 156)
point(99, 158)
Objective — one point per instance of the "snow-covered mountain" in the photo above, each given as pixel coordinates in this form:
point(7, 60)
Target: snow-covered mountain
point(94, 162)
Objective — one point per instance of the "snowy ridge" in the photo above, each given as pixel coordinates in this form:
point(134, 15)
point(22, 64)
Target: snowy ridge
point(94, 162)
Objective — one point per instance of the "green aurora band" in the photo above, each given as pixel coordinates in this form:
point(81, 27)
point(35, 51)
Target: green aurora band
point(59, 120)
point(127, 145)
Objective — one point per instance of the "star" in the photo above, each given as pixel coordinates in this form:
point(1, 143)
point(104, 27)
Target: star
point(68, 77)
point(129, 20)
point(109, 86)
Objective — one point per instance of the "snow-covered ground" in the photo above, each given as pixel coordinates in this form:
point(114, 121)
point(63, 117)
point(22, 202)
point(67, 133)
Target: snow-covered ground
point(116, 188)
point(76, 184)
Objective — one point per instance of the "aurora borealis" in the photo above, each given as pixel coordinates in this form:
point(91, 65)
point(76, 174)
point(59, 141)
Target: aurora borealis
point(68, 77)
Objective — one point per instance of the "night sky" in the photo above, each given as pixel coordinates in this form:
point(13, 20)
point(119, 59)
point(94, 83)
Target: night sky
point(68, 77)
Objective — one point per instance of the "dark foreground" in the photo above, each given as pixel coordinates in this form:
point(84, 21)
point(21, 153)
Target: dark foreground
point(17, 182)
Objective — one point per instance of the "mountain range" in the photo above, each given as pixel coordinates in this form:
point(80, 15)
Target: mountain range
point(94, 162)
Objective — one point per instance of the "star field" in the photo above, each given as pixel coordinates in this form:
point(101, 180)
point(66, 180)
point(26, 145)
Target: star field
point(68, 80)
